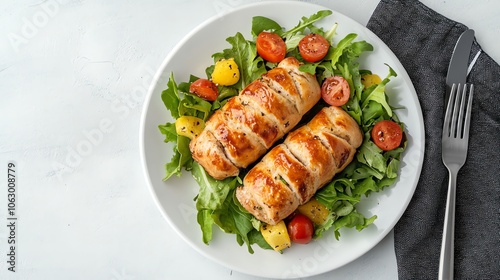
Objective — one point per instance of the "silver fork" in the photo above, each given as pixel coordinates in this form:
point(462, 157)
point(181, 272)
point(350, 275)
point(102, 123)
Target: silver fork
point(455, 141)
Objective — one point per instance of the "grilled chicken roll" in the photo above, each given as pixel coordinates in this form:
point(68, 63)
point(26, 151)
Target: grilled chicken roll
point(291, 173)
point(249, 124)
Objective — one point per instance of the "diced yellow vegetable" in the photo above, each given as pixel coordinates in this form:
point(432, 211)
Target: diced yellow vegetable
point(369, 80)
point(189, 126)
point(226, 72)
point(276, 235)
point(314, 210)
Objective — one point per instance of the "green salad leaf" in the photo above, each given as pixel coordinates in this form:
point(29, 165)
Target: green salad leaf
point(217, 205)
point(306, 22)
point(378, 95)
point(260, 24)
point(170, 97)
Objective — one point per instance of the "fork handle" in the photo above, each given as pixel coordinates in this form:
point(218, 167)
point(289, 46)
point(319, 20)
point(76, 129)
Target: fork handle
point(446, 260)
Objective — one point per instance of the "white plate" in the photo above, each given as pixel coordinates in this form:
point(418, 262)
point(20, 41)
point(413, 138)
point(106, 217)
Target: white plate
point(175, 197)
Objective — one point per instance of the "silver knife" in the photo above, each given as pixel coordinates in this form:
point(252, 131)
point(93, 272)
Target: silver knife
point(457, 70)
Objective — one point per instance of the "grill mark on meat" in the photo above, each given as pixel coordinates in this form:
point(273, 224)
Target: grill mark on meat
point(293, 172)
point(252, 104)
point(340, 148)
point(269, 100)
point(280, 81)
point(299, 79)
point(337, 123)
point(274, 195)
point(255, 123)
point(215, 159)
point(312, 149)
point(237, 146)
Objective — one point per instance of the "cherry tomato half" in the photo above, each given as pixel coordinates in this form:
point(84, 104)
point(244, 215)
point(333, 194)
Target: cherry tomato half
point(270, 46)
point(205, 89)
point(313, 47)
point(335, 91)
point(387, 135)
point(300, 229)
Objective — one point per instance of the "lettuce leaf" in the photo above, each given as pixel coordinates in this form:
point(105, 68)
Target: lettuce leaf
point(378, 94)
point(170, 97)
point(306, 22)
point(260, 23)
point(217, 205)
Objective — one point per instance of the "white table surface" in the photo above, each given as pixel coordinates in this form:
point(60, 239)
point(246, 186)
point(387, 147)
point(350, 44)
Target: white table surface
point(73, 78)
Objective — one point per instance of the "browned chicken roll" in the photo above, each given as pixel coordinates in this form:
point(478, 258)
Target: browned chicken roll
point(291, 173)
point(249, 124)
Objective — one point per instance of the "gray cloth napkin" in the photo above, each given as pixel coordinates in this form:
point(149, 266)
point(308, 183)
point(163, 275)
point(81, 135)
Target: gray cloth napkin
point(423, 40)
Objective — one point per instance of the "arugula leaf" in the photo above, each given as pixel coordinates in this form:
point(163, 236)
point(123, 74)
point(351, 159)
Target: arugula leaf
point(305, 23)
point(349, 59)
point(217, 204)
point(205, 220)
point(353, 219)
point(372, 113)
point(331, 33)
point(212, 192)
point(172, 167)
point(211, 196)
point(292, 42)
point(331, 194)
point(371, 155)
point(378, 94)
point(168, 130)
point(338, 50)
point(181, 158)
point(343, 209)
point(353, 109)
point(364, 171)
point(260, 23)
point(255, 237)
point(366, 186)
point(231, 219)
point(170, 97)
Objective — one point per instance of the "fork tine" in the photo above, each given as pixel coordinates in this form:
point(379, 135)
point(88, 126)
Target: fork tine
point(461, 111)
point(455, 112)
point(468, 113)
point(449, 111)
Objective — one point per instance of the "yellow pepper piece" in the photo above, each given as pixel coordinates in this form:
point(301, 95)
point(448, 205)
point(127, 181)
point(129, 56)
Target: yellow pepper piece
point(315, 211)
point(189, 126)
point(276, 235)
point(369, 80)
point(226, 72)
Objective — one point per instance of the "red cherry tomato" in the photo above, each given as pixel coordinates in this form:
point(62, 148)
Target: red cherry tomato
point(387, 135)
point(313, 47)
point(300, 229)
point(205, 89)
point(335, 91)
point(270, 46)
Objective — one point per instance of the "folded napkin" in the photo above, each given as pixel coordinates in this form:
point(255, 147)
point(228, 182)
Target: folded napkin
point(424, 40)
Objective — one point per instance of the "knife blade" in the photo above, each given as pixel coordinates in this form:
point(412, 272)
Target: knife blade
point(457, 69)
